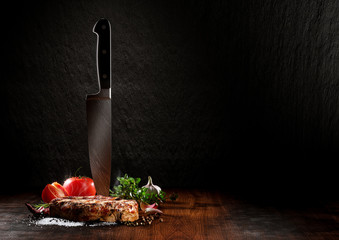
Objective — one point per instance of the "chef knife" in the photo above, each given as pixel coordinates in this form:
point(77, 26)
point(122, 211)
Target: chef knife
point(98, 108)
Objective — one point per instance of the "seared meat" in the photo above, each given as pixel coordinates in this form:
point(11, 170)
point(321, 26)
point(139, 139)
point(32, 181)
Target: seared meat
point(94, 208)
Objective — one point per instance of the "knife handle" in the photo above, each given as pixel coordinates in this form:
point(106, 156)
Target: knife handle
point(103, 30)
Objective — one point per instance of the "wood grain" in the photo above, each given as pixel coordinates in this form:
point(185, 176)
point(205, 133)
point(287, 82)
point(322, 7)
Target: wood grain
point(197, 214)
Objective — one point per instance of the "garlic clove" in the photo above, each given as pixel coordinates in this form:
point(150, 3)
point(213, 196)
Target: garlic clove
point(152, 210)
point(144, 206)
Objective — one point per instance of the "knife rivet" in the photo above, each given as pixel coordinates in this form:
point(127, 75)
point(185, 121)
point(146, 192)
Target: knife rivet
point(103, 27)
point(104, 51)
point(104, 76)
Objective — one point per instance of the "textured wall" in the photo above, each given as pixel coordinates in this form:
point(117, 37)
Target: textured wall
point(253, 86)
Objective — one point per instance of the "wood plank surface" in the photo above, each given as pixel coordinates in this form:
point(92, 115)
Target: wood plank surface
point(197, 214)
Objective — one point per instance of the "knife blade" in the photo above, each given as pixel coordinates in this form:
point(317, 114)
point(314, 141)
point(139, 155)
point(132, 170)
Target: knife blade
point(98, 108)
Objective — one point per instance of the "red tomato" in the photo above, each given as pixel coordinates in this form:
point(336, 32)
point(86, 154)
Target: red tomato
point(80, 186)
point(51, 191)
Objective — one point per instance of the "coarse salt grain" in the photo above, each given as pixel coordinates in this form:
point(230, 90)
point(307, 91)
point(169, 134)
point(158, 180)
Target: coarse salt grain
point(48, 221)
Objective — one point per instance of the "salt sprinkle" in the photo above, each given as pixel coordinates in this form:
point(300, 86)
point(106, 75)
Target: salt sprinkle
point(48, 221)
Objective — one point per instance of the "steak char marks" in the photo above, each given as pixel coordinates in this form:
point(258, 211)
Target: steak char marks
point(94, 208)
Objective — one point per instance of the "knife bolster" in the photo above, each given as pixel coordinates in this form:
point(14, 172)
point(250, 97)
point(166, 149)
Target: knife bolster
point(104, 93)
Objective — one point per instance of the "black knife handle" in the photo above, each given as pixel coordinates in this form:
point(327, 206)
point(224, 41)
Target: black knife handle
point(103, 30)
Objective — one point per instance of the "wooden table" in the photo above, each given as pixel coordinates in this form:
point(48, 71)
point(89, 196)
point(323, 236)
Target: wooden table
point(197, 214)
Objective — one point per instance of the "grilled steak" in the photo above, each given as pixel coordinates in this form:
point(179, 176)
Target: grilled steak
point(94, 208)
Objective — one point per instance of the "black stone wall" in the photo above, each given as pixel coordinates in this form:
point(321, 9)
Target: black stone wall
point(244, 94)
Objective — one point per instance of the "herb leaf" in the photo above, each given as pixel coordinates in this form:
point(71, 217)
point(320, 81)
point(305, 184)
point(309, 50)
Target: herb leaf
point(42, 204)
point(173, 196)
point(129, 189)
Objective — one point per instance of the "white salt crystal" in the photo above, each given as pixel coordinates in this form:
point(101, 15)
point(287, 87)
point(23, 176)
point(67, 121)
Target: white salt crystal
point(58, 222)
point(66, 223)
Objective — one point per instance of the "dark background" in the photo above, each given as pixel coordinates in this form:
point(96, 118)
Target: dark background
point(234, 95)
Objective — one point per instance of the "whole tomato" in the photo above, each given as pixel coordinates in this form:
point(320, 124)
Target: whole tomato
point(80, 186)
point(54, 190)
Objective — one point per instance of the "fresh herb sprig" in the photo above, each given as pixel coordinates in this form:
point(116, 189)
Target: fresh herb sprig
point(150, 197)
point(42, 204)
point(129, 189)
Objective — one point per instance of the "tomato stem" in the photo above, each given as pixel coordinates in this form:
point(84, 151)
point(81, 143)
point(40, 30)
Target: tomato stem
point(75, 174)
